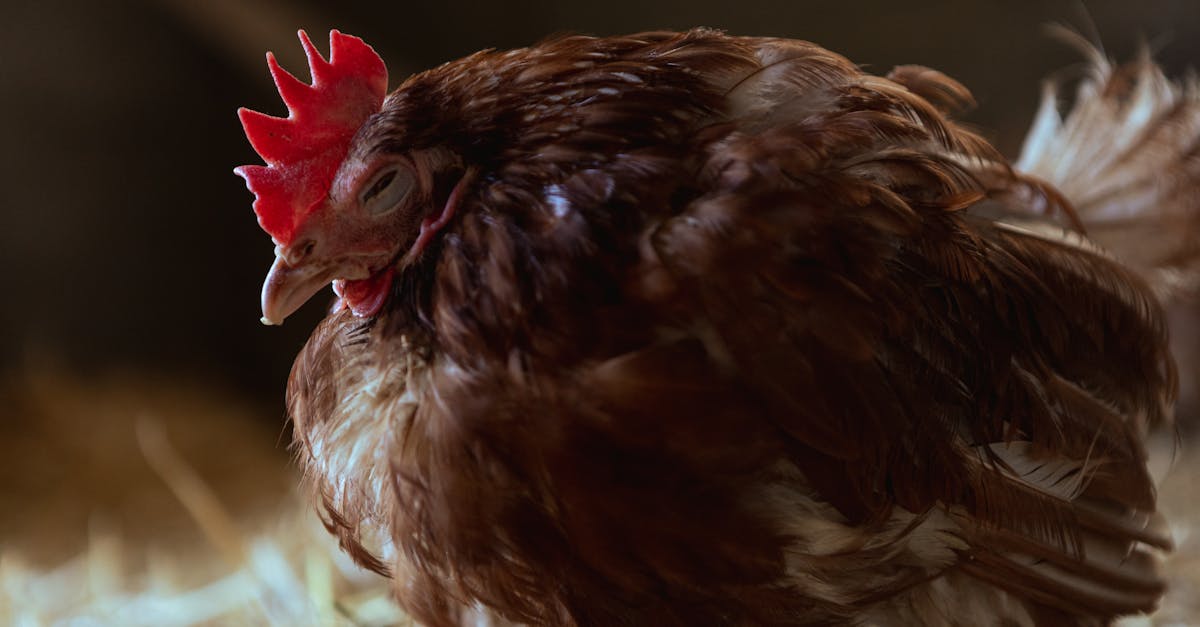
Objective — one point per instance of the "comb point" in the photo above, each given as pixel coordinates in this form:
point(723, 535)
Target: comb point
point(271, 137)
point(317, 65)
point(294, 92)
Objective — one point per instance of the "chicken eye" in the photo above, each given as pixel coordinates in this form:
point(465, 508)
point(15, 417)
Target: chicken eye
point(386, 191)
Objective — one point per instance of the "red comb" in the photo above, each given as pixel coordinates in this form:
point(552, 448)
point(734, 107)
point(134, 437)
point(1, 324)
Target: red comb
point(303, 150)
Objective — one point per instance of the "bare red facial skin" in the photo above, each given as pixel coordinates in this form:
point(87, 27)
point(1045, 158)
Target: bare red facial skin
point(366, 297)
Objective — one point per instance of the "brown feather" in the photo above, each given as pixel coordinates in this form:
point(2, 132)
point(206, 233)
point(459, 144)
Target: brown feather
point(726, 332)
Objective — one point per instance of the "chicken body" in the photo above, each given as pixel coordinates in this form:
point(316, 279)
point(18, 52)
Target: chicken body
point(725, 331)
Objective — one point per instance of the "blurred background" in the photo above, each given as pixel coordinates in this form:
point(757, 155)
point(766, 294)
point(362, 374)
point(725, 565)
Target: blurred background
point(132, 261)
point(127, 240)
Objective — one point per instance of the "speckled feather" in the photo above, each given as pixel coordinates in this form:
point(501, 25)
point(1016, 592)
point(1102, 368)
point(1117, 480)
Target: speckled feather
point(726, 333)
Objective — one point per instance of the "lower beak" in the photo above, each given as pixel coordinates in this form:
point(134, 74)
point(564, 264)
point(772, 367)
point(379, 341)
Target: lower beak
point(288, 287)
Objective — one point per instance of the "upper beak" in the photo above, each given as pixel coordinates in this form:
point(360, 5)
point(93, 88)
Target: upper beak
point(288, 287)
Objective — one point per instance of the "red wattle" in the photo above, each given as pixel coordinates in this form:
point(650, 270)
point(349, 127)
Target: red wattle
point(365, 297)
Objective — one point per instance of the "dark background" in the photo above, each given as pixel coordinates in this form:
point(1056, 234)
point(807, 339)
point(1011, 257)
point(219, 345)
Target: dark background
point(127, 243)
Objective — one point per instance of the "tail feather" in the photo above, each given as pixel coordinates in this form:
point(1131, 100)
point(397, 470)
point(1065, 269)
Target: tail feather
point(1126, 156)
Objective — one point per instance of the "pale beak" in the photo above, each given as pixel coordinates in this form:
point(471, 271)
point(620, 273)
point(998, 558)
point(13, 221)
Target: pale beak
point(288, 287)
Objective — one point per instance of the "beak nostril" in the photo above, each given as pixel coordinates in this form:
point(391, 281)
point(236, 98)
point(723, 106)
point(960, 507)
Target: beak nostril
point(301, 251)
point(297, 253)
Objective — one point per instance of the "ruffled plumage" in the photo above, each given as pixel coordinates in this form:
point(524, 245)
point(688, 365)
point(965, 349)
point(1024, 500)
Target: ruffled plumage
point(730, 332)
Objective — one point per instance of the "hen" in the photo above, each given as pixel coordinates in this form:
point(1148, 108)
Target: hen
point(692, 329)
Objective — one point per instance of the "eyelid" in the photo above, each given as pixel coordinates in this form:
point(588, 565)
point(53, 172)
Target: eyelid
point(374, 183)
point(387, 189)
